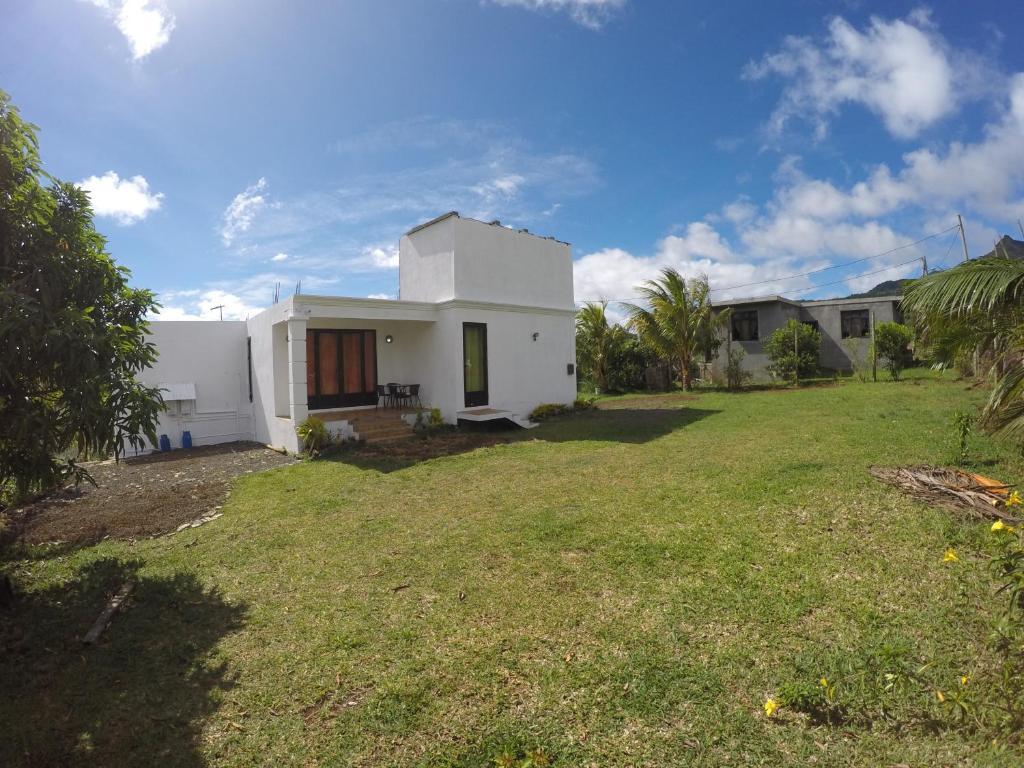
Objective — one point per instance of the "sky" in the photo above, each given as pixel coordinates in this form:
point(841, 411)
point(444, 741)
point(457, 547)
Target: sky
point(233, 145)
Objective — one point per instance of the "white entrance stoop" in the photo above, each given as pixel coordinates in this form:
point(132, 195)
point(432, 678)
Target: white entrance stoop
point(484, 413)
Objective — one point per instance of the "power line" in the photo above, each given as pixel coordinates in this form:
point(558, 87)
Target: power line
point(815, 271)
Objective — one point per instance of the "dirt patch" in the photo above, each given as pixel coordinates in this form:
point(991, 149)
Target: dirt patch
point(645, 402)
point(140, 497)
point(416, 448)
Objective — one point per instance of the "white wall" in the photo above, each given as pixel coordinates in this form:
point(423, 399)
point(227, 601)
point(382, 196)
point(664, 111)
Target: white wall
point(213, 356)
point(505, 266)
point(469, 260)
point(521, 373)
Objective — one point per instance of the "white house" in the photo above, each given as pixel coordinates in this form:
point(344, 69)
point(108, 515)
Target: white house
point(484, 324)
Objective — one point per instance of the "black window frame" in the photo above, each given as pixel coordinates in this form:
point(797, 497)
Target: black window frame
point(745, 315)
point(860, 315)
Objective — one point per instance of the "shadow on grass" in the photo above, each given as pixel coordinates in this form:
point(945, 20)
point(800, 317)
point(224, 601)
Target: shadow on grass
point(619, 423)
point(138, 697)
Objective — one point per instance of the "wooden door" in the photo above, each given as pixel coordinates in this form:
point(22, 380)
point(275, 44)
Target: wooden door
point(341, 368)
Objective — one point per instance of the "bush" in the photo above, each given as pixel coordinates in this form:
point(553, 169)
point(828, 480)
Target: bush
point(584, 404)
point(546, 411)
point(627, 363)
point(314, 435)
point(892, 342)
point(429, 420)
point(963, 423)
point(735, 375)
point(793, 350)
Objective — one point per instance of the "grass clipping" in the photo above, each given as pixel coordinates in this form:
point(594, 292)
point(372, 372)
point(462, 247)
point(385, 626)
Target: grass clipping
point(951, 488)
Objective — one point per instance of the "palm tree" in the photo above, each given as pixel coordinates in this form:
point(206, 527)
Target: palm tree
point(678, 320)
point(978, 308)
point(595, 340)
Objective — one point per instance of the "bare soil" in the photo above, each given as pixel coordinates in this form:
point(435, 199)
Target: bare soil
point(139, 497)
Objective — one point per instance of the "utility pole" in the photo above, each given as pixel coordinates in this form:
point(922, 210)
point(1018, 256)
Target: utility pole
point(874, 357)
point(924, 266)
point(221, 308)
point(1020, 227)
point(963, 237)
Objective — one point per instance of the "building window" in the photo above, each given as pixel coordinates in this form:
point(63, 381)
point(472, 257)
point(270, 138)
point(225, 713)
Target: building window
point(744, 325)
point(855, 324)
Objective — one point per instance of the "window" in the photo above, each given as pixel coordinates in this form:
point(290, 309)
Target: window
point(744, 325)
point(855, 324)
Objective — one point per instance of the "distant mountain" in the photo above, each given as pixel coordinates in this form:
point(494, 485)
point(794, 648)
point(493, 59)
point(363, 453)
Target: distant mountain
point(1007, 248)
point(888, 288)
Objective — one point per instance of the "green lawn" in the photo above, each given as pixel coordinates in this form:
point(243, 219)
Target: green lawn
point(619, 588)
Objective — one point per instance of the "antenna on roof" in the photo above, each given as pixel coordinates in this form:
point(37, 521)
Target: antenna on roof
point(298, 288)
point(277, 292)
point(221, 308)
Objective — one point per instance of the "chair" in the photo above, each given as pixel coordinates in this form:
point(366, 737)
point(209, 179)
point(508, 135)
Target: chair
point(392, 395)
point(414, 395)
point(382, 394)
point(401, 395)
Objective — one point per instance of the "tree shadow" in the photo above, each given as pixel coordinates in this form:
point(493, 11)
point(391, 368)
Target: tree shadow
point(619, 423)
point(137, 697)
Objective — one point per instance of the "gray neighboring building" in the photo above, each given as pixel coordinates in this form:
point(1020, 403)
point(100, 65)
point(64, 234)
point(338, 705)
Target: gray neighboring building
point(843, 323)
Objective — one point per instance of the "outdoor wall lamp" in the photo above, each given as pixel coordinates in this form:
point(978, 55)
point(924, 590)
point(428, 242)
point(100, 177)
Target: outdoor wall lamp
point(536, 335)
point(388, 339)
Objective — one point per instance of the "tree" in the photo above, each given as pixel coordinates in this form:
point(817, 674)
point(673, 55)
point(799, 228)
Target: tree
point(677, 321)
point(892, 342)
point(793, 350)
point(595, 341)
point(977, 309)
point(72, 332)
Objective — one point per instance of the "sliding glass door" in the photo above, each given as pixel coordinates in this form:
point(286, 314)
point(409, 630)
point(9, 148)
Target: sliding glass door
point(341, 368)
point(474, 354)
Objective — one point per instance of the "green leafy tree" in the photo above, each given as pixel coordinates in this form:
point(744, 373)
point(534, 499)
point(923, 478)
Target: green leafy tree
point(72, 332)
point(976, 310)
point(892, 342)
point(677, 321)
point(596, 340)
point(793, 350)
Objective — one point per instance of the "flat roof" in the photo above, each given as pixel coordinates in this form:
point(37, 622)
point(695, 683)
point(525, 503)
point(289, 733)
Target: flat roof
point(805, 302)
point(495, 223)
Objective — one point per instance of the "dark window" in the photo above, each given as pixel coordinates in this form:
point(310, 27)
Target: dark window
point(744, 325)
point(855, 324)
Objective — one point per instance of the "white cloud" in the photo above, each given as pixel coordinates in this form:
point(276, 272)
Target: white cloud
point(902, 70)
point(145, 24)
point(279, 257)
point(124, 200)
point(239, 214)
point(382, 257)
point(592, 14)
point(380, 296)
point(241, 298)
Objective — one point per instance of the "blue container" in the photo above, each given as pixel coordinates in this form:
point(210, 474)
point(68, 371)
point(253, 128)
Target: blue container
point(186, 439)
point(165, 443)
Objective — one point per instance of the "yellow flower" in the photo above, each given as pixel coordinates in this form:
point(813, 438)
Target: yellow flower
point(770, 706)
point(940, 696)
point(823, 682)
point(950, 556)
point(964, 679)
point(1014, 499)
point(999, 525)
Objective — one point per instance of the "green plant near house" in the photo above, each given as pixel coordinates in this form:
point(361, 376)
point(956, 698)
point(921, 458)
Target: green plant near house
point(735, 375)
point(429, 420)
point(547, 411)
point(892, 344)
point(793, 351)
point(584, 404)
point(862, 358)
point(314, 436)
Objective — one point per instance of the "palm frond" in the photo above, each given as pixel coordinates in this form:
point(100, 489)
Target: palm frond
point(982, 285)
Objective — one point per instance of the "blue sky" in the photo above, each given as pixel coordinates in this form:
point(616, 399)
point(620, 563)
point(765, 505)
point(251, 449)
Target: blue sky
point(233, 144)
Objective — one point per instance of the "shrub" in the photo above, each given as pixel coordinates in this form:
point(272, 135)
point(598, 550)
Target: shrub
point(735, 375)
point(314, 435)
point(892, 342)
point(862, 357)
point(546, 411)
point(793, 350)
point(584, 404)
point(429, 420)
point(962, 426)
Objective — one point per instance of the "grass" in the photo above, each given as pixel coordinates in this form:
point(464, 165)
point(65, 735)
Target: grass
point(623, 587)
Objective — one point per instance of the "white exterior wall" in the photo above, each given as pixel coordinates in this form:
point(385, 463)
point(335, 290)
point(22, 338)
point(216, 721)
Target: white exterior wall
point(213, 356)
point(271, 408)
point(521, 373)
point(426, 263)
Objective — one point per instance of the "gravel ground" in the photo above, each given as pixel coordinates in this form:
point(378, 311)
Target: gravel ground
point(143, 496)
